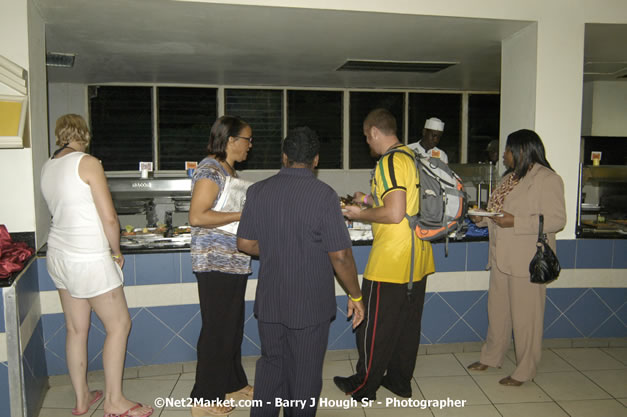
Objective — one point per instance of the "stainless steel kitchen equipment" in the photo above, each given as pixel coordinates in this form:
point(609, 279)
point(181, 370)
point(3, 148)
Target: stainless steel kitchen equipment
point(154, 209)
point(479, 181)
point(602, 208)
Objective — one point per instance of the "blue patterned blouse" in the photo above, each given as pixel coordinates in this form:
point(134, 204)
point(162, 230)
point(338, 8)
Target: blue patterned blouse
point(212, 249)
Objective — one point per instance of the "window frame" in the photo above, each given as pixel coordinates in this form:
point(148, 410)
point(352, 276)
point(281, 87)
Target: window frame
point(221, 104)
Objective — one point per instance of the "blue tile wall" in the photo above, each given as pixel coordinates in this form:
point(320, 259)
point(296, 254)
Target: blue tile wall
point(585, 312)
point(589, 314)
point(251, 345)
point(27, 291)
point(129, 269)
point(613, 297)
point(612, 327)
point(5, 408)
point(621, 313)
point(477, 258)
point(360, 253)
point(456, 260)
point(158, 268)
point(594, 253)
point(562, 328)
point(169, 334)
point(619, 258)
point(551, 313)
point(437, 318)
point(477, 315)
point(341, 335)
point(187, 275)
point(255, 269)
point(45, 282)
point(564, 298)
point(566, 250)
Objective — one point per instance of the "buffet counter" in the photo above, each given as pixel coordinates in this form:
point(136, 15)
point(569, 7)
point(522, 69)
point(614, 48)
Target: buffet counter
point(587, 301)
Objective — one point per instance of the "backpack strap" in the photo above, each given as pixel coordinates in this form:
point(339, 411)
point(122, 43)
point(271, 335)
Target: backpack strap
point(410, 284)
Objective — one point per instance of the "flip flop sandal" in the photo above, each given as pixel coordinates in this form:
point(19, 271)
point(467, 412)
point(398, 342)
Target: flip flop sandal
point(127, 412)
point(93, 401)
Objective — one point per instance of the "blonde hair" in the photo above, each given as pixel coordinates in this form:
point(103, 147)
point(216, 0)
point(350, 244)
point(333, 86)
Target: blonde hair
point(71, 128)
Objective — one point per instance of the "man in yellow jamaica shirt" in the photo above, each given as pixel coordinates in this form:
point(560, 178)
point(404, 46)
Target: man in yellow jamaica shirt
point(388, 337)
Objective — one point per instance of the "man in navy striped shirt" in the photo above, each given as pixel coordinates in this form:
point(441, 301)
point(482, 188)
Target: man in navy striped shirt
point(294, 223)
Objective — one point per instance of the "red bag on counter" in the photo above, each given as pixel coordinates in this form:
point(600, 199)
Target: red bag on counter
point(13, 255)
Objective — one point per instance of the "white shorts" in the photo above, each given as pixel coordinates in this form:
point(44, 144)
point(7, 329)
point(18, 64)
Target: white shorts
point(85, 279)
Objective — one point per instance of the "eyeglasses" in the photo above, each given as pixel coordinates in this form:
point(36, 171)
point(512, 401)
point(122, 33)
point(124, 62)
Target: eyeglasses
point(250, 139)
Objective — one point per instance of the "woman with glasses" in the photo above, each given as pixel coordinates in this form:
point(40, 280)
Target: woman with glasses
point(221, 271)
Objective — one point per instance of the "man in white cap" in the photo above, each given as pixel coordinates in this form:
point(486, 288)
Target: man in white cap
point(431, 135)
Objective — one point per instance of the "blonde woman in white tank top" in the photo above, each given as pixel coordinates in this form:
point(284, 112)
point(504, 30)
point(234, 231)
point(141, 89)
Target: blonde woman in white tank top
point(85, 263)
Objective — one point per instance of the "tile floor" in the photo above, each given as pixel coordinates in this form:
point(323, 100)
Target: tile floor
point(578, 382)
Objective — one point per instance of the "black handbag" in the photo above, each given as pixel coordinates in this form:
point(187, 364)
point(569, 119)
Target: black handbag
point(544, 267)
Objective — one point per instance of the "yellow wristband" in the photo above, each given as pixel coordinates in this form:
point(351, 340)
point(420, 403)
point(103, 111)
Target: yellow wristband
point(116, 256)
point(355, 300)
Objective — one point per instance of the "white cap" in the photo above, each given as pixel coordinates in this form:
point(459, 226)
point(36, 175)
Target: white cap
point(434, 124)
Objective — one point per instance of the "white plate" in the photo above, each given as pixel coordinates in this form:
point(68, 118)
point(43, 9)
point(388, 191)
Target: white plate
point(482, 213)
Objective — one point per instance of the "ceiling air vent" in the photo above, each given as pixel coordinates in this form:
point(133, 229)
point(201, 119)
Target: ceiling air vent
point(58, 59)
point(395, 66)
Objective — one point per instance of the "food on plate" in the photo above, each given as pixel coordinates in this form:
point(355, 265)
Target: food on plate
point(128, 230)
point(345, 201)
point(182, 229)
point(348, 200)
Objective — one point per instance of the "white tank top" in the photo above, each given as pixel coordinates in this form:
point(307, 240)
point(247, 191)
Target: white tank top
point(76, 228)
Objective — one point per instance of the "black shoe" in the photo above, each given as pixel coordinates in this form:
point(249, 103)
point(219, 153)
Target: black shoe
point(345, 384)
point(360, 397)
point(401, 393)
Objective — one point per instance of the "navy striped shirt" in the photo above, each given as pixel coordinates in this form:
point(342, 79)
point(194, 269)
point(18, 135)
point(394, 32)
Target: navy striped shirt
point(297, 221)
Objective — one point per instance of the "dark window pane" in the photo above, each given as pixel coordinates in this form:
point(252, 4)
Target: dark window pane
point(121, 123)
point(446, 107)
point(185, 119)
point(321, 111)
point(613, 150)
point(483, 124)
point(263, 111)
point(361, 103)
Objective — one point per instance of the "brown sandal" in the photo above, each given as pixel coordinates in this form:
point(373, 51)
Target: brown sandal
point(508, 381)
point(245, 393)
point(211, 411)
point(477, 366)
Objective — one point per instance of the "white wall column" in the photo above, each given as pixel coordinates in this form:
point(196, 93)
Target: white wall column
point(541, 89)
point(38, 115)
point(518, 82)
point(559, 92)
point(17, 206)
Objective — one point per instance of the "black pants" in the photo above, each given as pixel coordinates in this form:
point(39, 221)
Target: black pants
point(219, 368)
point(290, 368)
point(388, 338)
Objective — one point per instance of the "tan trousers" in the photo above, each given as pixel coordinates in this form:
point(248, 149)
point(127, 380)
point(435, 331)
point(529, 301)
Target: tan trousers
point(514, 303)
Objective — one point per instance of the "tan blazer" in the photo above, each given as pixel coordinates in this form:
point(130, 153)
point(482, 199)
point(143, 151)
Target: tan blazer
point(541, 191)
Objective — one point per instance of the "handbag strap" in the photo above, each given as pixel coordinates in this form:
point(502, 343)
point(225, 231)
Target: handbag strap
point(540, 227)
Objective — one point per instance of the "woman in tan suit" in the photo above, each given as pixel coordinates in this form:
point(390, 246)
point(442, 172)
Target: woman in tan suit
point(529, 188)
